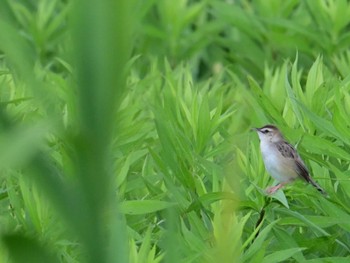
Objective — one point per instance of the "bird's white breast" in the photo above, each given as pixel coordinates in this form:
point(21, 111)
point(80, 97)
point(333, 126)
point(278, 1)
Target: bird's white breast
point(280, 168)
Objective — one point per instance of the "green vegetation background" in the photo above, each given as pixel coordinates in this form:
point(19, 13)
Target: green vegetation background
point(124, 130)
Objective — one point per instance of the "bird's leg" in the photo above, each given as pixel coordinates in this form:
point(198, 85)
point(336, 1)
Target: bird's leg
point(274, 189)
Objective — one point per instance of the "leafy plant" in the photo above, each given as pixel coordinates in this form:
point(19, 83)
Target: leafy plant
point(124, 130)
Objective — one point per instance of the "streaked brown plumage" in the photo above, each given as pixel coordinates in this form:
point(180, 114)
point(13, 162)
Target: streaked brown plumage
point(281, 160)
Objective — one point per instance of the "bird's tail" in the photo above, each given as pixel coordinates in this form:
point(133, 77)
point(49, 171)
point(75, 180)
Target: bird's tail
point(316, 185)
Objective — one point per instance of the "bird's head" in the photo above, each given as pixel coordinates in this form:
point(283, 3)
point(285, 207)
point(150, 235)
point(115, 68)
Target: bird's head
point(269, 133)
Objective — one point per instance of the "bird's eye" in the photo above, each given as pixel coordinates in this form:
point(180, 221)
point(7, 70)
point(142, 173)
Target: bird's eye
point(265, 131)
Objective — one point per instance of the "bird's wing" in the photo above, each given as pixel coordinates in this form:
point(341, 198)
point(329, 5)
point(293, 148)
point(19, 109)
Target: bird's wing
point(288, 151)
point(302, 170)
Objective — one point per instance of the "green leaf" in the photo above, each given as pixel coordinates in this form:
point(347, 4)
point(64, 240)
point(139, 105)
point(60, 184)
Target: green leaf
point(281, 255)
point(291, 95)
point(323, 124)
point(264, 101)
point(314, 79)
point(302, 218)
point(329, 260)
point(140, 207)
point(281, 197)
point(258, 242)
point(319, 145)
point(342, 217)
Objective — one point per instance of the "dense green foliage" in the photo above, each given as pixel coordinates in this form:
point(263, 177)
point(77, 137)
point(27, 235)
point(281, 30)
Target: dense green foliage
point(125, 130)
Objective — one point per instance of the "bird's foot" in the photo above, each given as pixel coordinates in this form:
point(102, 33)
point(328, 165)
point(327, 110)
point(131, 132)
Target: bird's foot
point(273, 189)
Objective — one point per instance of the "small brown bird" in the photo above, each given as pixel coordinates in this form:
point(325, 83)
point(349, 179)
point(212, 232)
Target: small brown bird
point(281, 160)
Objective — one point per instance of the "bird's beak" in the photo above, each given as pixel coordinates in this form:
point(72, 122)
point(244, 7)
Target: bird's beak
point(254, 129)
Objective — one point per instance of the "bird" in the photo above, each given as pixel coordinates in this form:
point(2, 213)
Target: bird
point(281, 160)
